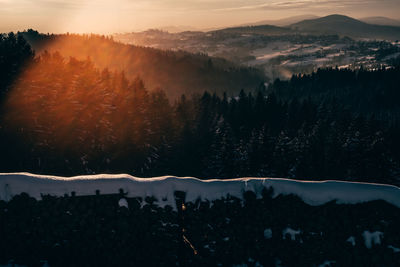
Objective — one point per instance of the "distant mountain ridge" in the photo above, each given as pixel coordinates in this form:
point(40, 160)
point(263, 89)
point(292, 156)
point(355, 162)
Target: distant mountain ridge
point(281, 22)
point(376, 28)
point(258, 29)
point(381, 21)
point(347, 26)
point(333, 24)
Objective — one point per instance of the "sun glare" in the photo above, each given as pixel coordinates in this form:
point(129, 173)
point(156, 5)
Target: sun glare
point(72, 105)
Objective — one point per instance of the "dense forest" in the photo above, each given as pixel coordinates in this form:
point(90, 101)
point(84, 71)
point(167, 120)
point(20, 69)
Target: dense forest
point(67, 117)
point(364, 92)
point(15, 53)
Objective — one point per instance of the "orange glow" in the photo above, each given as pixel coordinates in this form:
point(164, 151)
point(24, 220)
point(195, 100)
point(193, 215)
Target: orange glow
point(73, 106)
point(106, 53)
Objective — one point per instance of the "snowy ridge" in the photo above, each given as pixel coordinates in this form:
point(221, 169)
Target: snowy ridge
point(163, 188)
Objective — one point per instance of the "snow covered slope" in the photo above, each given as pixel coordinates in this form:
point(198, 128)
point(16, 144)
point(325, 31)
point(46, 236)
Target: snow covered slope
point(163, 188)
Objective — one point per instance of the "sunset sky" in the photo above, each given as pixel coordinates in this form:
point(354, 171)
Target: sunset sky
point(107, 16)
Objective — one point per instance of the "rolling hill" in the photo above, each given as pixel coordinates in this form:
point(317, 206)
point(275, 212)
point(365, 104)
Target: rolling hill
point(381, 21)
point(281, 22)
point(257, 29)
point(347, 26)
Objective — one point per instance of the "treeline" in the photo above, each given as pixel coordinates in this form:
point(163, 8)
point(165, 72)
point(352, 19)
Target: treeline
point(364, 92)
point(66, 117)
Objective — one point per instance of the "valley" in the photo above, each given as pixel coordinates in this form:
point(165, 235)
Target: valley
point(283, 51)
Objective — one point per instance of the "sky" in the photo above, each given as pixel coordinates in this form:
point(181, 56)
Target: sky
point(110, 16)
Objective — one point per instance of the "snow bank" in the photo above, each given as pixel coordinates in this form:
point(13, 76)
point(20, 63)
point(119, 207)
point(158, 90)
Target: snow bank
point(163, 188)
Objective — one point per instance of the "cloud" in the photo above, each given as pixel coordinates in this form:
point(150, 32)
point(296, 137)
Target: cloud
point(69, 4)
point(18, 5)
point(196, 5)
point(116, 15)
point(304, 4)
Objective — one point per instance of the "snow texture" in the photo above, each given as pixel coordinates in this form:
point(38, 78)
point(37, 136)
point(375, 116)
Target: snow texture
point(163, 188)
point(351, 240)
point(268, 233)
point(372, 238)
point(291, 232)
point(395, 250)
point(123, 203)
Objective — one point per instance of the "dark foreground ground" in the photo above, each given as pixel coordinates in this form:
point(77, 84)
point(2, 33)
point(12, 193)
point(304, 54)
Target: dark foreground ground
point(283, 231)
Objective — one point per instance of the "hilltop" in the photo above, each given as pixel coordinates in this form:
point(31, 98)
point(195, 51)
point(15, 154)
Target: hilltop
point(344, 25)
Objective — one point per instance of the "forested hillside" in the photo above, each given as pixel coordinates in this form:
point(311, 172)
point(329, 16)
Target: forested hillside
point(373, 93)
point(65, 116)
point(176, 72)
